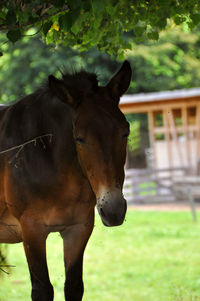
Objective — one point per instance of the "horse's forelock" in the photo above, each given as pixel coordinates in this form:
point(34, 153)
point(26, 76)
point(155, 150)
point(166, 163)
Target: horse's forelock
point(81, 81)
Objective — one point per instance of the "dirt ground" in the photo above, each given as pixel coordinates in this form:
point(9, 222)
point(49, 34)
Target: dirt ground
point(182, 206)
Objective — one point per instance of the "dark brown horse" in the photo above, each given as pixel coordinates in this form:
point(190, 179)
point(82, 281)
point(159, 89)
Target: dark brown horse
point(62, 151)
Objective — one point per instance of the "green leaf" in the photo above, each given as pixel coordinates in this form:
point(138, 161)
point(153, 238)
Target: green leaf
point(98, 6)
point(33, 18)
point(121, 56)
point(86, 6)
point(154, 35)
point(23, 17)
point(14, 35)
point(75, 4)
point(195, 18)
point(109, 9)
point(59, 3)
point(142, 13)
point(46, 27)
point(11, 17)
point(129, 46)
point(139, 30)
point(75, 29)
point(66, 21)
point(162, 22)
point(178, 20)
point(61, 21)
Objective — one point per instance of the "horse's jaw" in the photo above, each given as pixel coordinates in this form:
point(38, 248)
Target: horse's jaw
point(111, 207)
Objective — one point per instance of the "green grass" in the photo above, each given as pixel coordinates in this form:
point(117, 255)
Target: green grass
point(154, 256)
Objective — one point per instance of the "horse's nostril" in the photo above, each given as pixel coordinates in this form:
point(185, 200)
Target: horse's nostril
point(102, 212)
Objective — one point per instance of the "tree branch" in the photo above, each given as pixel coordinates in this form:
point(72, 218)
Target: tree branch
point(41, 17)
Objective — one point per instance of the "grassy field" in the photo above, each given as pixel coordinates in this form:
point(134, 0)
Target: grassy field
point(154, 256)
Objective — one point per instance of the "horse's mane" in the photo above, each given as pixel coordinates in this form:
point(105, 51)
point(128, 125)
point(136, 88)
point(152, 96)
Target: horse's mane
point(81, 81)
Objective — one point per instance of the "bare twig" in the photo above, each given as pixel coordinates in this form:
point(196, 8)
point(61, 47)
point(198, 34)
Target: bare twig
point(6, 266)
point(21, 146)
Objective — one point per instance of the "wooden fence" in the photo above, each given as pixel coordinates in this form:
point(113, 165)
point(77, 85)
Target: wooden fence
point(151, 185)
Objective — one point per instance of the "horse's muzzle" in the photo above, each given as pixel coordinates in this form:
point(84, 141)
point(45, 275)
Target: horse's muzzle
point(112, 207)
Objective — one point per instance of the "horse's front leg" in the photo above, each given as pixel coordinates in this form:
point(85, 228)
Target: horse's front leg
point(75, 239)
point(34, 239)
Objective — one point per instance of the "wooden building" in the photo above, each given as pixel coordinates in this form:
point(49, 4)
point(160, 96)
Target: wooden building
point(174, 125)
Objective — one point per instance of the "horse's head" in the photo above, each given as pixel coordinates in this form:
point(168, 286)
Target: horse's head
point(100, 135)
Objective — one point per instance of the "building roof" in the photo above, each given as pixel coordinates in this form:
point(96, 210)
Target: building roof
point(159, 96)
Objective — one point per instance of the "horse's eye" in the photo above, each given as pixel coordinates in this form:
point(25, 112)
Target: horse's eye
point(80, 140)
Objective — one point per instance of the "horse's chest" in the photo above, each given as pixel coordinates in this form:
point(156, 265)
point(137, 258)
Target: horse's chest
point(69, 200)
point(58, 217)
point(72, 205)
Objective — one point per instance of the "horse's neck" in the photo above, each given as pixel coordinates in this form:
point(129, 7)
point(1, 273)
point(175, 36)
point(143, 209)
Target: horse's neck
point(3, 107)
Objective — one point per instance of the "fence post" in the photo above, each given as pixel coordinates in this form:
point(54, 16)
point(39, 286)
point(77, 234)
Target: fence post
point(192, 203)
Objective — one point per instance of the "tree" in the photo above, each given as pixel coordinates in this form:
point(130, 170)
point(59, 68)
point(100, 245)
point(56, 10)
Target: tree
point(170, 63)
point(84, 24)
point(167, 64)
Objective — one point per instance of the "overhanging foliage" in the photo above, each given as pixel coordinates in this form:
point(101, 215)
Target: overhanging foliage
point(84, 24)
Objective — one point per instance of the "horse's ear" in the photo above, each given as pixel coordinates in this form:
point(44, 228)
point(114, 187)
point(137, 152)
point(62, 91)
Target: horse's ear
point(59, 88)
point(120, 82)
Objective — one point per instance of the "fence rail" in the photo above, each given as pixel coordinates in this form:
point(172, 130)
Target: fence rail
point(151, 185)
